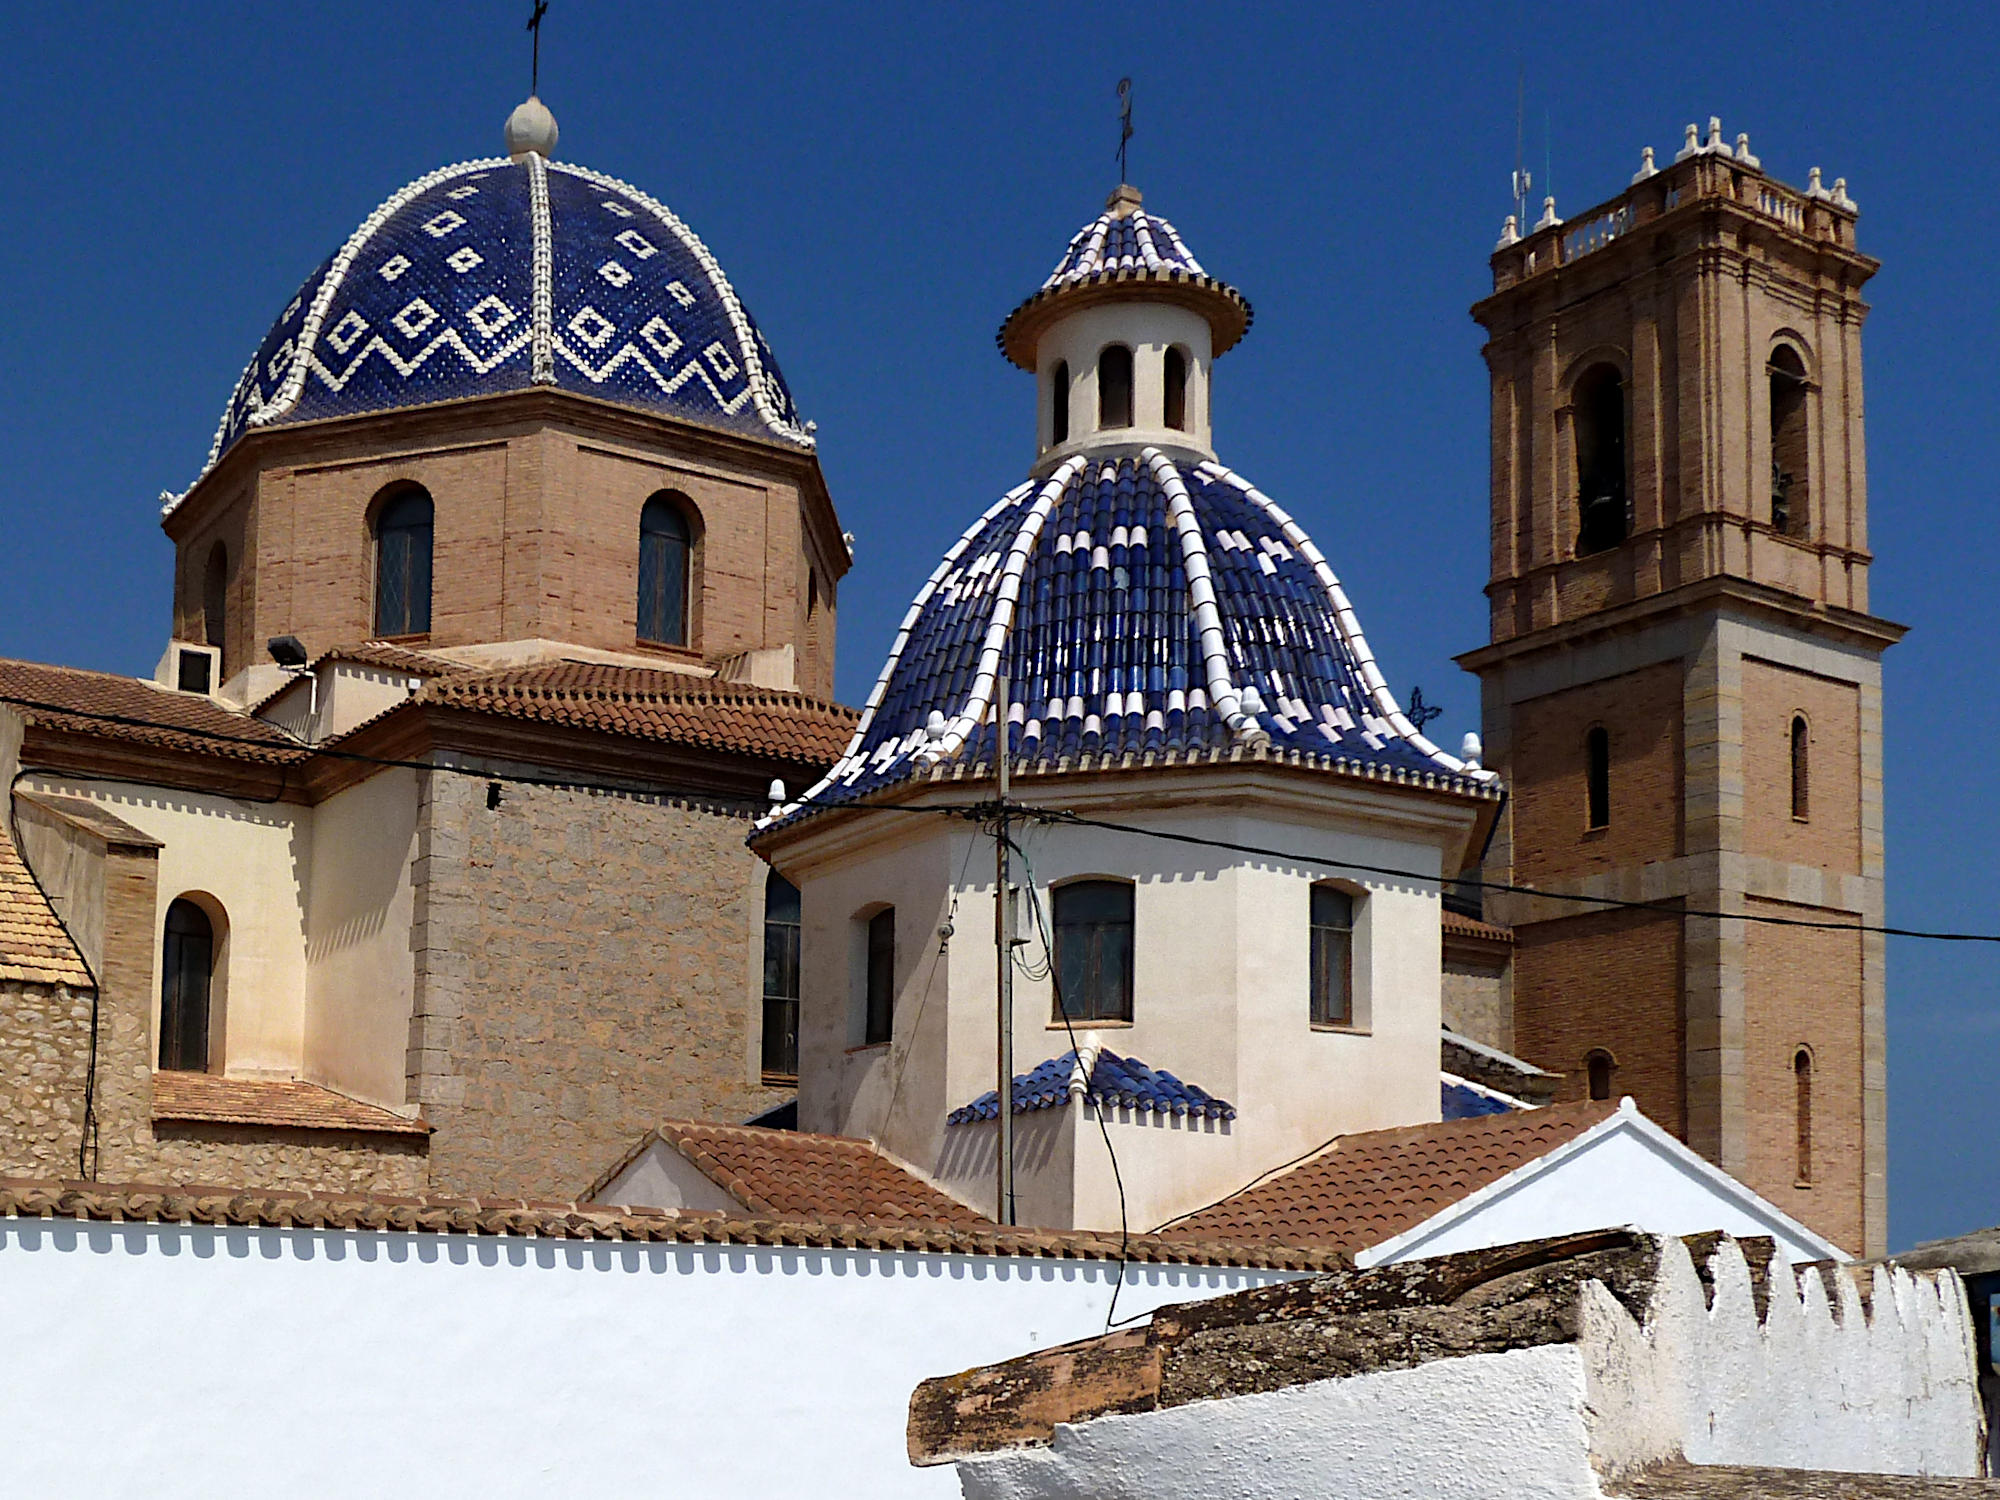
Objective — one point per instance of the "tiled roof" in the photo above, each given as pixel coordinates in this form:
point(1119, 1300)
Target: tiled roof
point(1121, 246)
point(1458, 924)
point(1108, 1079)
point(1369, 1187)
point(130, 1203)
point(388, 655)
point(96, 703)
point(1464, 1099)
point(675, 707)
point(793, 1175)
point(207, 1099)
point(1139, 606)
point(503, 275)
point(34, 948)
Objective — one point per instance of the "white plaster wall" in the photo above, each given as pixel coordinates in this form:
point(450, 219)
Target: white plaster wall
point(360, 973)
point(1149, 329)
point(1506, 1426)
point(1221, 960)
point(660, 1177)
point(455, 1365)
point(253, 860)
point(1622, 1174)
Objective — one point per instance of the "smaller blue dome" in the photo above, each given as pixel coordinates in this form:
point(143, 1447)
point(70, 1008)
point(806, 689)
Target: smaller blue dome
point(1140, 605)
point(505, 274)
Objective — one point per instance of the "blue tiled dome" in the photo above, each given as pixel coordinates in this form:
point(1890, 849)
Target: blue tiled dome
point(1141, 605)
point(502, 274)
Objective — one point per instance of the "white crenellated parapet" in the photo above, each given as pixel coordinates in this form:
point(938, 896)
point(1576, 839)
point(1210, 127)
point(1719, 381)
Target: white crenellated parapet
point(1691, 144)
point(1550, 218)
point(1743, 151)
point(1840, 198)
point(1646, 167)
point(1510, 233)
point(1818, 1382)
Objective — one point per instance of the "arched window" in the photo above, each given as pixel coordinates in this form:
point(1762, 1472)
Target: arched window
point(1599, 407)
point(1177, 377)
point(1801, 768)
point(403, 565)
point(1600, 1065)
point(781, 977)
point(1094, 950)
point(215, 594)
point(879, 1017)
point(663, 571)
point(1802, 1097)
point(1059, 403)
point(1791, 484)
point(187, 973)
point(1332, 956)
point(1114, 386)
point(1597, 778)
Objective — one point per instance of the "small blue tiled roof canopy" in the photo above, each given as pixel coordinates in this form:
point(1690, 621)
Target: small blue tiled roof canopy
point(503, 274)
point(1462, 1099)
point(1129, 242)
point(1138, 604)
point(1112, 1082)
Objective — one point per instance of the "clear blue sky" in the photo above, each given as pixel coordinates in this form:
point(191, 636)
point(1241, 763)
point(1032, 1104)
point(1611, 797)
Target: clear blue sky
point(884, 182)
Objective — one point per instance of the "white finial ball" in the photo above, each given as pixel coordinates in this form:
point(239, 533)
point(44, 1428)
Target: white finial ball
point(777, 793)
point(1470, 749)
point(531, 128)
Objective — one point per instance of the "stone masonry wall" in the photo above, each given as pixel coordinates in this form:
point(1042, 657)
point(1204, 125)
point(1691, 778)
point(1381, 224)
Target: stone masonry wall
point(586, 967)
point(44, 1054)
point(1478, 1002)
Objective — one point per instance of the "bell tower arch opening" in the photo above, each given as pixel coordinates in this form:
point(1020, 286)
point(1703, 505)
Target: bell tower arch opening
point(1679, 574)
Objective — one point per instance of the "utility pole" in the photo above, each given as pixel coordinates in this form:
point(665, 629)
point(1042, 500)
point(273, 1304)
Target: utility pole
point(1003, 945)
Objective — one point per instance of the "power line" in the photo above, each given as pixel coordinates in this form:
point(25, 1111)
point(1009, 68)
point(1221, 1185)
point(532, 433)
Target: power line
point(980, 811)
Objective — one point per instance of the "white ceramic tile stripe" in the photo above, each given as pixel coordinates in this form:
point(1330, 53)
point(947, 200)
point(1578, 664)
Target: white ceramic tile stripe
point(295, 378)
point(542, 359)
point(851, 762)
point(1345, 620)
point(753, 363)
point(1001, 623)
point(1201, 599)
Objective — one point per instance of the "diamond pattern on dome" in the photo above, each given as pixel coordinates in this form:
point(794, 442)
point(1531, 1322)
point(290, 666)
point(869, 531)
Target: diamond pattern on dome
point(1138, 605)
point(497, 275)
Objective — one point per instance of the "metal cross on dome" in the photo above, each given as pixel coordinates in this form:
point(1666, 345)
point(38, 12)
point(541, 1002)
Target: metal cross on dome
point(1124, 122)
point(535, 26)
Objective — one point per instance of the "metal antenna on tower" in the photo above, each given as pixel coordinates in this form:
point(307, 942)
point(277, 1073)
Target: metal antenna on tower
point(1524, 180)
point(1124, 122)
point(535, 26)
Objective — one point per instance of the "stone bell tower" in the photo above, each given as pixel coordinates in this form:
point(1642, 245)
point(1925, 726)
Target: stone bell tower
point(1683, 682)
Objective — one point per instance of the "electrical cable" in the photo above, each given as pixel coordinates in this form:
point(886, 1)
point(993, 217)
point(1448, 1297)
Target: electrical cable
point(924, 999)
point(1076, 1051)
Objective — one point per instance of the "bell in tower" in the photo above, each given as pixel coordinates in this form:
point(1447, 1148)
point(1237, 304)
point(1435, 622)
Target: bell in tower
point(1682, 685)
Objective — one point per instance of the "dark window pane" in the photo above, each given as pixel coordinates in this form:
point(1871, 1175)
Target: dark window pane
point(1332, 956)
point(1600, 1068)
point(215, 595)
point(1801, 770)
point(1802, 1086)
point(663, 569)
point(781, 976)
point(1597, 778)
point(880, 1021)
point(1114, 387)
point(403, 566)
point(1177, 370)
point(1094, 950)
point(186, 970)
point(1059, 397)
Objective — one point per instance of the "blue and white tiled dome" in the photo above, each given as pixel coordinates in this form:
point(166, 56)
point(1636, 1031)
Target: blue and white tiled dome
point(1140, 605)
point(503, 274)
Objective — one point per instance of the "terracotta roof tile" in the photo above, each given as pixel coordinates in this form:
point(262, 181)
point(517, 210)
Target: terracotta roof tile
point(792, 1174)
point(1371, 1186)
point(1457, 924)
point(142, 1203)
point(205, 1098)
point(94, 703)
point(34, 948)
point(657, 704)
point(387, 654)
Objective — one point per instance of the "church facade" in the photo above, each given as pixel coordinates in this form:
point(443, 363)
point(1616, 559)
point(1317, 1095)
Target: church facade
point(505, 596)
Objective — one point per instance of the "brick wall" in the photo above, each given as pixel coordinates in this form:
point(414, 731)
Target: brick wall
point(1831, 835)
point(586, 967)
point(1802, 987)
point(1642, 712)
point(1609, 980)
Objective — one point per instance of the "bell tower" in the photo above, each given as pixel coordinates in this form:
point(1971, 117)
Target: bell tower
point(1682, 685)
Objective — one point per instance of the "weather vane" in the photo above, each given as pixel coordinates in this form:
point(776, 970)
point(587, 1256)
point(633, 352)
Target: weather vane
point(1124, 122)
point(535, 26)
point(1419, 712)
